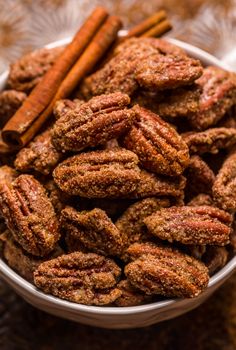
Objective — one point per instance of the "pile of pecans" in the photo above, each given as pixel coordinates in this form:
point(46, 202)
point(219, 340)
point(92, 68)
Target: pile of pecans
point(129, 194)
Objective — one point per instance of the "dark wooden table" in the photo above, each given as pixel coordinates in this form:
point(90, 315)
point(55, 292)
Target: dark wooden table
point(210, 327)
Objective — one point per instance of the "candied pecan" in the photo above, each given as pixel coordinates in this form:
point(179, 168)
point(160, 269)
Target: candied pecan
point(118, 74)
point(197, 251)
point(81, 278)
point(218, 96)
point(160, 72)
point(99, 174)
point(130, 296)
point(168, 272)
point(22, 262)
point(40, 155)
point(202, 199)
point(131, 221)
point(191, 225)
point(62, 107)
point(157, 185)
point(29, 215)
point(224, 188)
point(10, 101)
point(28, 70)
point(210, 141)
point(200, 177)
point(181, 102)
point(100, 119)
point(7, 174)
point(159, 147)
point(94, 229)
point(215, 258)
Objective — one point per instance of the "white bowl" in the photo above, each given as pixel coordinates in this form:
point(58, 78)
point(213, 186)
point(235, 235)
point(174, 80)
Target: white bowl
point(114, 317)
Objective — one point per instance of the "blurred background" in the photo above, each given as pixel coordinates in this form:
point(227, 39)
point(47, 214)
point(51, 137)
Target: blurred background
point(27, 24)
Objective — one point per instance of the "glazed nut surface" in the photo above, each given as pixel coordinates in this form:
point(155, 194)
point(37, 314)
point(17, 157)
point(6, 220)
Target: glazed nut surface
point(29, 215)
point(87, 125)
point(224, 188)
point(215, 258)
point(10, 101)
point(218, 96)
point(159, 147)
point(170, 274)
point(130, 296)
point(81, 278)
point(210, 141)
point(191, 225)
point(160, 72)
point(99, 174)
point(40, 155)
point(94, 229)
point(131, 221)
point(7, 174)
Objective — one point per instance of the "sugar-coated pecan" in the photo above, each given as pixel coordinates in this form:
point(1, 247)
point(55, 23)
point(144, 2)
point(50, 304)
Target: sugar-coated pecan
point(29, 215)
point(159, 147)
point(157, 185)
point(215, 258)
point(95, 230)
point(62, 107)
point(25, 264)
point(99, 174)
point(93, 123)
point(118, 74)
point(218, 96)
point(81, 278)
point(40, 155)
point(224, 189)
point(200, 177)
point(131, 221)
point(167, 272)
point(210, 141)
point(10, 101)
point(160, 72)
point(191, 225)
point(7, 174)
point(28, 70)
point(202, 199)
point(58, 198)
point(181, 102)
point(130, 296)
point(197, 251)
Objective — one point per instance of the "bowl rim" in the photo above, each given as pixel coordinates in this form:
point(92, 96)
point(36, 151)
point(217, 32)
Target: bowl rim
point(14, 279)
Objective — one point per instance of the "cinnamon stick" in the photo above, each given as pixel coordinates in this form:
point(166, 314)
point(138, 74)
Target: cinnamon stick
point(94, 52)
point(42, 94)
point(158, 30)
point(148, 23)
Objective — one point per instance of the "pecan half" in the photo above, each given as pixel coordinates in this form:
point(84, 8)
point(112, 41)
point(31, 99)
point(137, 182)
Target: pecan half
point(94, 229)
point(210, 141)
point(200, 177)
point(93, 123)
point(62, 107)
point(157, 185)
point(215, 258)
point(131, 221)
point(40, 155)
point(19, 260)
point(29, 215)
point(160, 72)
point(224, 189)
point(191, 225)
point(58, 198)
point(10, 101)
point(218, 96)
point(81, 278)
point(130, 296)
point(168, 272)
point(27, 72)
point(159, 147)
point(99, 174)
